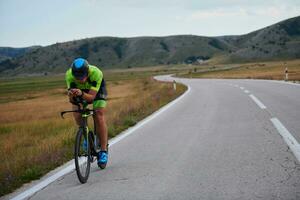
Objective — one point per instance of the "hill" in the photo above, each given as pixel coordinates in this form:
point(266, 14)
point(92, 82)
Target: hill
point(9, 52)
point(111, 52)
point(279, 41)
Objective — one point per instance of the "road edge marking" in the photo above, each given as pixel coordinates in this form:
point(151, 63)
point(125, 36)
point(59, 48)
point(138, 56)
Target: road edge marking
point(29, 192)
point(288, 137)
point(147, 119)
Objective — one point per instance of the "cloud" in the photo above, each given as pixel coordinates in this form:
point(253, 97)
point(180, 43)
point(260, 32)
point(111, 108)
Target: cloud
point(253, 11)
point(215, 13)
point(277, 11)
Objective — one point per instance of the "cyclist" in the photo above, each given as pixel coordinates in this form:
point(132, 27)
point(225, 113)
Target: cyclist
point(86, 81)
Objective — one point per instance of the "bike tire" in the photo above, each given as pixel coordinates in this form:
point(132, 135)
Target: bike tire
point(82, 157)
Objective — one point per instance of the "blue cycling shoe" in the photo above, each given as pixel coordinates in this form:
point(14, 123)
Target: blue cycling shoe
point(102, 159)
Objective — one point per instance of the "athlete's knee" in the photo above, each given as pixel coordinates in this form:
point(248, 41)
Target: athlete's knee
point(99, 114)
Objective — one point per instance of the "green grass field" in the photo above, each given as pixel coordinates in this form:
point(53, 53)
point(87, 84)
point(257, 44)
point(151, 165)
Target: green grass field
point(273, 70)
point(15, 89)
point(33, 137)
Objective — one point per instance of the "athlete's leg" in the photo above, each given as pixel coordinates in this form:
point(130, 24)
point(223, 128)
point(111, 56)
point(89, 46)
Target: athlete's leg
point(77, 116)
point(101, 127)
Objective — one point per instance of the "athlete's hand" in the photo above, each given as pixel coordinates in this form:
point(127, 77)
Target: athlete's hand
point(71, 93)
point(75, 92)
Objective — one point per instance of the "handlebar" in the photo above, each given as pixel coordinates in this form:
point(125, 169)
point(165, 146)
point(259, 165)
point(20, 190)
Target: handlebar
point(82, 107)
point(81, 111)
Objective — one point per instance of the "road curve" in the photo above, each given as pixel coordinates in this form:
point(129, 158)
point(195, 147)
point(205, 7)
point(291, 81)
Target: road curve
point(215, 143)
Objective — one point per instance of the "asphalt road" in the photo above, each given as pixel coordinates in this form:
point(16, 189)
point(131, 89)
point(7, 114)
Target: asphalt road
point(215, 143)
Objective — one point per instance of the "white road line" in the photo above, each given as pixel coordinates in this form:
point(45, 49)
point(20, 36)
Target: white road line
point(288, 137)
point(257, 101)
point(146, 120)
point(44, 183)
point(112, 141)
point(246, 91)
point(242, 88)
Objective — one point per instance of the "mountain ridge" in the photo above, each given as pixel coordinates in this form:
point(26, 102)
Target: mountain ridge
point(278, 41)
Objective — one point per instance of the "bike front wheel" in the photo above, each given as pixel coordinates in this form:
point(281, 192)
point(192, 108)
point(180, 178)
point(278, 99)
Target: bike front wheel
point(82, 155)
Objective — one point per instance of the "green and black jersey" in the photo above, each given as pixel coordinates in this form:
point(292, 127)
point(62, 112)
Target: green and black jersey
point(95, 82)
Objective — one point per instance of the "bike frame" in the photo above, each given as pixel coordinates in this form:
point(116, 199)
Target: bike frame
point(85, 114)
point(90, 139)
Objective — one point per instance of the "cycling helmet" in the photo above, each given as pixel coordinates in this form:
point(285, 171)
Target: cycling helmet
point(80, 68)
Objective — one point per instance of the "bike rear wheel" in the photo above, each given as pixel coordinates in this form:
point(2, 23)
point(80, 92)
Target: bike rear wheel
point(82, 155)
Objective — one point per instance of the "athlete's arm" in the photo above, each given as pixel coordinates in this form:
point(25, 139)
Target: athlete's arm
point(71, 94)
point(96, 79)
point(89, 97)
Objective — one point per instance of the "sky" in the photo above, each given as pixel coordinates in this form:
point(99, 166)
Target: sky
point(44, 22)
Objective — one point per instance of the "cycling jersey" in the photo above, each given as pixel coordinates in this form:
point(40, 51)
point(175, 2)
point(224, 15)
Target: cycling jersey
point(94, 82)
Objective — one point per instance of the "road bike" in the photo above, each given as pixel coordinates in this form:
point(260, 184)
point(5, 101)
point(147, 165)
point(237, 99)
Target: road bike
point(87, 142)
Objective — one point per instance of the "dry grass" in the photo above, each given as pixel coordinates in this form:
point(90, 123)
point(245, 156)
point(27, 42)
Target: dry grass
point(34, 139)
point(265, 70)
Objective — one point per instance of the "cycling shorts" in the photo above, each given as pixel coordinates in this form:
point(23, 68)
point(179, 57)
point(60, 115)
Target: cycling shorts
point(99, 104)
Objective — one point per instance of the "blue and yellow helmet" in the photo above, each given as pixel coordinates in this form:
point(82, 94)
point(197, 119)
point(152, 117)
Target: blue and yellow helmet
point(80, 68)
